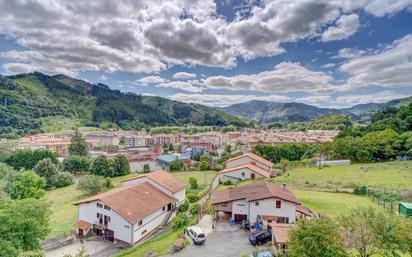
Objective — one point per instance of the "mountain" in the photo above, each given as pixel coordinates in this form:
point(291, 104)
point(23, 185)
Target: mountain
point(370, 108)
point(266, 112)
point(29, 102)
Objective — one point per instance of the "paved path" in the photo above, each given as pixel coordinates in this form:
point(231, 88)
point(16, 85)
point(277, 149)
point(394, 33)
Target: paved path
point(92, 248)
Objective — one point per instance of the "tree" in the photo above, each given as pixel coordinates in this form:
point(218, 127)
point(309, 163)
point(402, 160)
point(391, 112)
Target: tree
point(196, 156)
point(193, 183)
point(48, 170)
point(101, 166)
point(120, 166)
point(146, 168)
point(176, 165)
point(78, 145)
point(194, 208)
point(30, 185)
point(180, 220)
point(23, 224)
point(64, 179)
point(316, 237)
point(92, 184)
point(204, 165)
point(27, 159)
point(228, 148)
point(75, 163)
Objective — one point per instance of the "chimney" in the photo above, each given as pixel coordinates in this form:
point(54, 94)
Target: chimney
point(284, 185)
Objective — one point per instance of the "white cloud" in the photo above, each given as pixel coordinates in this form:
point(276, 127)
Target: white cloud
point(16, 68)
point(380, 97)
point(346, 26)
point(184, 75)
point(225, 100)
point(389, 67)
point(328, 65)
point(349, 53)
point(151, 80)
point(314, 99)
point(182, 85)
point(285, 77)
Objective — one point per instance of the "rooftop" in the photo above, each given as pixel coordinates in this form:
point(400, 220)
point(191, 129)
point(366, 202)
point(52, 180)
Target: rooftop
point(254, 157)
point(248, 166)
point(164, 179)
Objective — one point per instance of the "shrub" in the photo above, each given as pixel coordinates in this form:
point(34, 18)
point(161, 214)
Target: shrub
point(184, 206)
point(193, 183)
point(180, 220)
point(176, 165)
point(360, 190)
point(192, 197)
point(64, 179)
point(194, 208)
point(101, 166)
point(228, 183)
point(92, 184)
point(74, 163)
point(204, 165)
point(146, 168)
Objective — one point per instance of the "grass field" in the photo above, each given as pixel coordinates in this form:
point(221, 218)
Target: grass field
point(203, 177)
point(395, 175)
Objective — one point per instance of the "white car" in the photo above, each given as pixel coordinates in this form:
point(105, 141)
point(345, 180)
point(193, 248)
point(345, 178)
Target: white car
point(196, 234)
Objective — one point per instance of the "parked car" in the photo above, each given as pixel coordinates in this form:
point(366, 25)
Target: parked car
point(196, 234)
point(260, 237)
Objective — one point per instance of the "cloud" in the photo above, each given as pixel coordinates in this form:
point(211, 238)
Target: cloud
point(328, 65)
point(184, 75)
point(349, 53)
point(152, 35)
point(380, 97)
point(16, 68)
point(388, 67)
point(151, 80)
point(285, 77)
point(225, 100)
point(346, 26)
point(182, 85)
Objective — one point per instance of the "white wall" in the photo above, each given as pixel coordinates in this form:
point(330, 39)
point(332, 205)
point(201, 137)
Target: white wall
point(180, 196)
point(246, 160)
point(149, 223)
point(238, 174)
point(268, 207)
point(240, 207)
point(88, 212)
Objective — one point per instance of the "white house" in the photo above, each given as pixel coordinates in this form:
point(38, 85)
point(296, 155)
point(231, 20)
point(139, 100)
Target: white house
point(246, 166)
point(265, 202)
point(131, 212)
point(162, 180)
point(250, 158)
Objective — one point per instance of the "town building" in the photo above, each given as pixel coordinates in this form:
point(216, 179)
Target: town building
point(132, 212)
point(58, 144)
point(165, 160)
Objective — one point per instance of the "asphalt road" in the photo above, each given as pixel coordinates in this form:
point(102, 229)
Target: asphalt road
point(224, 241)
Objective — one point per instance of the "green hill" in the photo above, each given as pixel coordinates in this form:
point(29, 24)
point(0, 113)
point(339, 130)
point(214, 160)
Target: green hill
point(30, 102)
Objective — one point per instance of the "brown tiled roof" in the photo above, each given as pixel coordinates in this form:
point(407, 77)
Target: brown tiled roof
point(250, 167)
point(306, 211)
point(164, 179)
point(280, 232)
point(254, 157)
point(254, 192)
point(133, 202)
point(82, 224)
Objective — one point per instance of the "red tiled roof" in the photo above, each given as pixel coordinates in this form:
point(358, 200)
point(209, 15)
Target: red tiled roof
point(306, 211)
point(254, 192)
point(280, 232)
point(250, 167)
point(82, 224)
point(164, 179)
point(133, 203)
point(254, 157)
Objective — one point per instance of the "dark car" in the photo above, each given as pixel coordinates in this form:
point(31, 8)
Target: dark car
point(260, 237)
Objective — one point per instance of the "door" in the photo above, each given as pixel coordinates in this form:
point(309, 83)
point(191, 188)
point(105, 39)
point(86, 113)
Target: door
point(109, 235)
point(252, 175)
point(80, 232)
point(240, 217)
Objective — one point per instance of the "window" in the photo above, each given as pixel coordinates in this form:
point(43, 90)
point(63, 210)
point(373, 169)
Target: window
point(140, 222)
point(224, 204)
point(164, 208)
point(99, 205)
point(278, 204)
point(107, 207)
point(144, 232)
point(243, 174)
point(98, 215)
point(256, 203)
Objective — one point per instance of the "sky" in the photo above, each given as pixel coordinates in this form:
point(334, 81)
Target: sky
point(332, 53)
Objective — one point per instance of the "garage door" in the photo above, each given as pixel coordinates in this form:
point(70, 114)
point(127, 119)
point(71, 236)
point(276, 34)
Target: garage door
point(240, 217)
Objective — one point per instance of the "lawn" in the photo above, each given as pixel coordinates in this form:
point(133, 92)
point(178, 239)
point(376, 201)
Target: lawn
point(64, 213)
point(332, 204)
point(396, 175)
point(203, 177)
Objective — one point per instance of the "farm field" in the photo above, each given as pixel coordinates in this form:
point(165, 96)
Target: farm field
point(396, 175)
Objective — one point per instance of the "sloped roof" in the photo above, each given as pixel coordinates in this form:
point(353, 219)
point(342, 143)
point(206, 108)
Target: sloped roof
point(254, 157)
point(82, 224)
point(250, 167)
point(280, 232)
point(133, 203)
point(163, 178)
point(304, 210)
point(254, 192)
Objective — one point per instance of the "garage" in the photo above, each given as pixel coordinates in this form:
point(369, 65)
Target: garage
point(240, 217)
point(109, 235)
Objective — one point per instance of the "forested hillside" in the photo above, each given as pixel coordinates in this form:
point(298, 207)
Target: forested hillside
point(27, 100)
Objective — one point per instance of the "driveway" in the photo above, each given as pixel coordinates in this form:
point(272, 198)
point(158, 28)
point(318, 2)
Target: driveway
point(96, 248)
point(224, 241)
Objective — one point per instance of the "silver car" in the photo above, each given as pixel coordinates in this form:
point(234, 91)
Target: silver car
point(196, 234)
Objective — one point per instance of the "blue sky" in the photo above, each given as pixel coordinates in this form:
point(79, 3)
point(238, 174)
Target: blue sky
point(326, 53)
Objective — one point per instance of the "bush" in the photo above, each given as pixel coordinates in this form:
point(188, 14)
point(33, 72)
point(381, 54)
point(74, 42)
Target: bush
point(101, 166)
point(92, 184)
point(360, 190)
point(183, 206)
point(180, 220)
point(74, 163)
point(64, 179)
point(228, 183)
point(192, 197)
point(204, 165)
point(176, 165)
point(194, 208)
point(146, 168)
point(193, 183)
